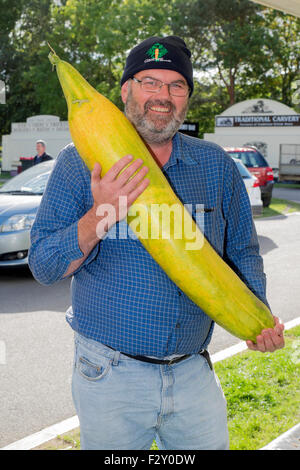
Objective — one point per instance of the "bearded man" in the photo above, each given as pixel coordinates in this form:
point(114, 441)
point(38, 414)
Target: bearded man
point(141, 366)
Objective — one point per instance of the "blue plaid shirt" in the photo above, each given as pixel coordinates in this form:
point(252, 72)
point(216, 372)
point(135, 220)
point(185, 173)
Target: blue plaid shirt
point(120, 295)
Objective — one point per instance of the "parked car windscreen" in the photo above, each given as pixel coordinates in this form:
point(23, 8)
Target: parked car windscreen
point(31, 181)
point(250, 159)
point(243, 171)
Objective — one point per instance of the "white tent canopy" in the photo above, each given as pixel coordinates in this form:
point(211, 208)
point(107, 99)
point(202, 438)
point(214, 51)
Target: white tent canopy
point(288, 6)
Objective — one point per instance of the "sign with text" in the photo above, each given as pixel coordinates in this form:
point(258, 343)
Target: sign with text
point(190, 128)
point(258, 121)
point(60, 126)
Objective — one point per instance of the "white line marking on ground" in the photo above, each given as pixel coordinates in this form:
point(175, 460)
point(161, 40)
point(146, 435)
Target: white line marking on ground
point(45, 435)
point(239, 347)
point(275, 445)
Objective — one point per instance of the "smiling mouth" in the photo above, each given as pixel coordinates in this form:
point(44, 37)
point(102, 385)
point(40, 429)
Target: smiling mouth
point(159, 109)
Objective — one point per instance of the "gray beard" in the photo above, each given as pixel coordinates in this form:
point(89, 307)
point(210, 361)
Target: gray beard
point(158, 130)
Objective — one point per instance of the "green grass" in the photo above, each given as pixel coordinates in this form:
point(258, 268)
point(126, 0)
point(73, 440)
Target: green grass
point(279, 207)
point(4, 176)
point(67, 441)
point(262, 393)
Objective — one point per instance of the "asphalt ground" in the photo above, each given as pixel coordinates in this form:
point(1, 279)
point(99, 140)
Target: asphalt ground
point(286, 193)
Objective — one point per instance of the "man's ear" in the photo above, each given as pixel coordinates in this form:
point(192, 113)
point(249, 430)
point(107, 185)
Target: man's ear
point(124, 91)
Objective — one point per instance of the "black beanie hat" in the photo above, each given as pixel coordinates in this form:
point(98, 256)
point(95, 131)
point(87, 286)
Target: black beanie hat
point(168, 52)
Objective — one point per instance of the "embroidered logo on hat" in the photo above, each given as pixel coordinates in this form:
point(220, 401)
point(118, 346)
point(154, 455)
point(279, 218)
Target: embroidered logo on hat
point(156, 53)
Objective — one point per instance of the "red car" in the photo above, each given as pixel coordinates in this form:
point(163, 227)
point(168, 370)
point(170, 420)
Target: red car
point(258, 166)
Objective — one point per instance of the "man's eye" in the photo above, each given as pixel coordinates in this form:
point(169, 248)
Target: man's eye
point(177, 86)
point(150, 82)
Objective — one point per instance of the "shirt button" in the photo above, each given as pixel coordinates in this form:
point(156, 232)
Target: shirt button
point(179, 293)
point(177, 325)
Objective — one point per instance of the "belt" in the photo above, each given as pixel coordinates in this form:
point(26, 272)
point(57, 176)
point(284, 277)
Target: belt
point(202, 352)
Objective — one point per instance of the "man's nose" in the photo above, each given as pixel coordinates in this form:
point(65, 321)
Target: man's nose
point(164, 91)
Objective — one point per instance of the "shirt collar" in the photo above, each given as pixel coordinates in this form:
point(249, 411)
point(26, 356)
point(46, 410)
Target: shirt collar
point(179, 153)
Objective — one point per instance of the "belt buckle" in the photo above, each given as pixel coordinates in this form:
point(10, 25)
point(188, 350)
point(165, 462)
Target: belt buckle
point(171, 361)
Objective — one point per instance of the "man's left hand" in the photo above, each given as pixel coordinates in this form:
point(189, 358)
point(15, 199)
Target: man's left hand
point(270, 339)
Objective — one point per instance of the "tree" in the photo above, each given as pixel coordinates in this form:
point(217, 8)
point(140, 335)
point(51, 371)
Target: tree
point(25, 33)
point(227, 38)
point(208, 100)
point(10, 14)
point(95, 36)
point(285, 52)
point(239, 50)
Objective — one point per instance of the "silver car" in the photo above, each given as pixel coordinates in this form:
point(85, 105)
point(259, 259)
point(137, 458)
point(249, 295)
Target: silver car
point(252, 186)
point(20, 198)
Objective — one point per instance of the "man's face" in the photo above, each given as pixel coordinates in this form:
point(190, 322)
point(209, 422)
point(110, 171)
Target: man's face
point(156, 116)
point(40, 148)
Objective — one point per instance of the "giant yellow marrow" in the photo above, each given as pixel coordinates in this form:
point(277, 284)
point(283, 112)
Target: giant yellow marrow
point(101, 132)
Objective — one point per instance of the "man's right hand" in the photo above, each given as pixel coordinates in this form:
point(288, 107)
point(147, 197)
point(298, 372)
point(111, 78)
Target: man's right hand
point(107, 190)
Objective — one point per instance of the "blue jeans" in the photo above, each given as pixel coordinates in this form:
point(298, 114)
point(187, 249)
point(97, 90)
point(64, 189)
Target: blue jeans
point(123, 403)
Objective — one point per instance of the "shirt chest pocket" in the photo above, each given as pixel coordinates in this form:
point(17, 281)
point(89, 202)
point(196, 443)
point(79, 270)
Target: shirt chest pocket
point(211, 223)
point(203, 215)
